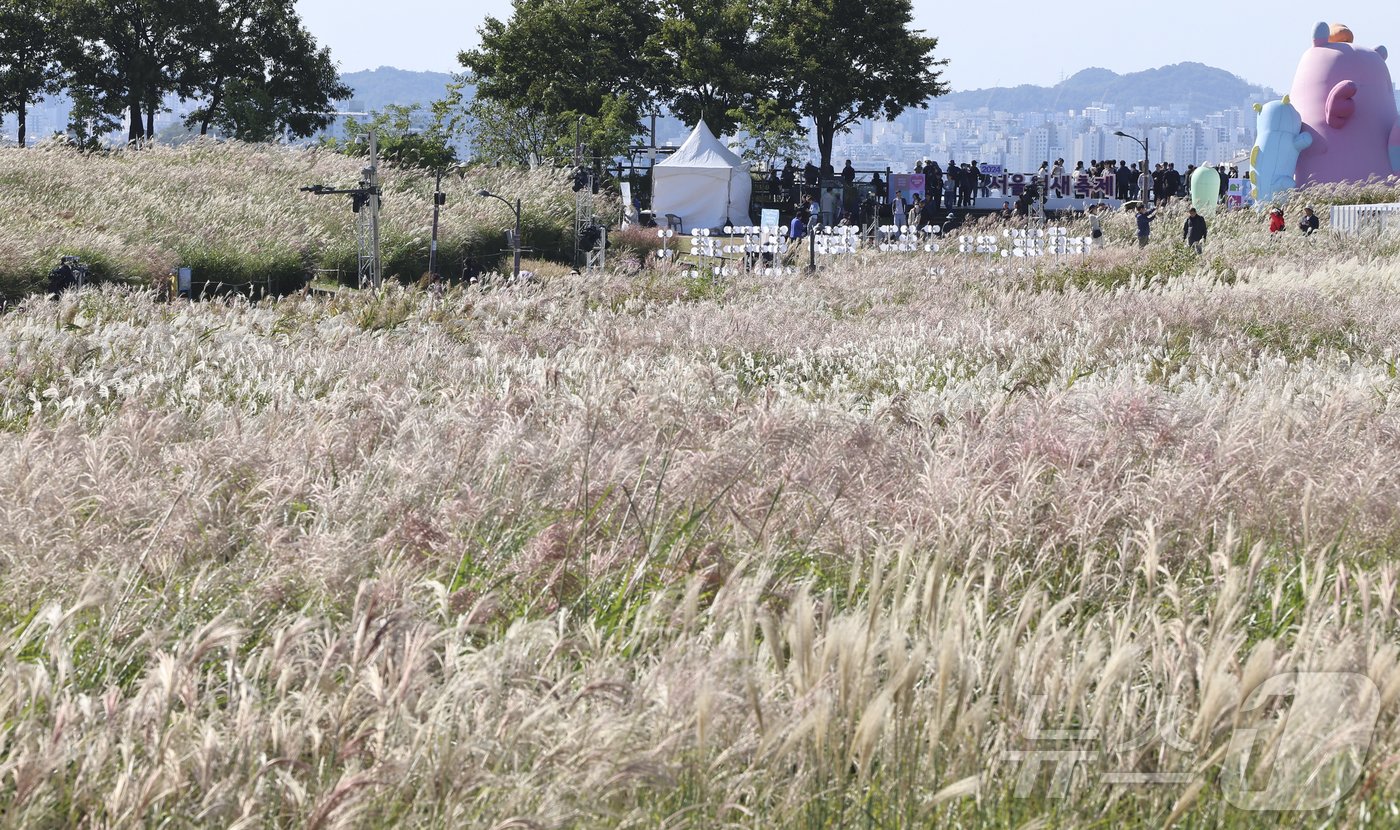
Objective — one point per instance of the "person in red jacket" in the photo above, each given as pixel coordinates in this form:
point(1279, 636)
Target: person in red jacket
point(1276, 222)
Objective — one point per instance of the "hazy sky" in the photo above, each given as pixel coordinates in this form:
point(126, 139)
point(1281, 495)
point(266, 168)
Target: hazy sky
point(988, 43)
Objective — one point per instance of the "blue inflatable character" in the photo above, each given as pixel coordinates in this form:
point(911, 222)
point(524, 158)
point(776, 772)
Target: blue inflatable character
point(1279, 139)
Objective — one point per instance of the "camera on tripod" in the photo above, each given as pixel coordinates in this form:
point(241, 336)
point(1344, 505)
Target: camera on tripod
point(71, 272)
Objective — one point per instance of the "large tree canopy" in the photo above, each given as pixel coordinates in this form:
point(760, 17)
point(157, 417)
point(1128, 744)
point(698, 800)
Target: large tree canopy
point(707, 61)
point(260, 72)
point(577, 62)
point(31, 42)
point(732, 63)
point(249, 66)
point(126, 55)
point(845, 61)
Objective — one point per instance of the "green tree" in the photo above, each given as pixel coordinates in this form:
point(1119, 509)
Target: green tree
point(261, 73)
point(707, 61)
point(844, 61)
point(518, 135)
point(771, 132)
point(126, 55)
point(405, 136)
point(89, 121)
point(569, 60)
point(31, 42)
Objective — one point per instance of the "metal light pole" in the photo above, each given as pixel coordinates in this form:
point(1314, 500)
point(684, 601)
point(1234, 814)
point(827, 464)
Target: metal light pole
point(1144, 172)
point(376, 265)
point(515, 236)
point(439, 199)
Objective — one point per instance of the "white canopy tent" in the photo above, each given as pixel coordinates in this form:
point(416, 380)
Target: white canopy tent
point(703, 183)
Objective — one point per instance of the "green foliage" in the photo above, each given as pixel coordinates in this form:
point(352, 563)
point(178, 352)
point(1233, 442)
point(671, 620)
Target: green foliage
point(547, 237)
point(260, 273)
point(513, 134)
point(125, 57)
point(606, 131)
point(31, 41)
point(234, 213)
point(706, 60)
point(89, 120)
point(771, 132)
point(384, 312)
point(570, 59)
point(406, 138)
point(16, 284)
point(596, 65)
point(705, 286)
point(261, 73)
point(32, 276)
point(1299, 340)
point(843, 62)
point(1164, 261)
point(1170, 258)
point(254, 68)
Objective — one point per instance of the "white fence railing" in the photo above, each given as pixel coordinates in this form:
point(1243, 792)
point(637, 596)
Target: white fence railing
point(1365, 219)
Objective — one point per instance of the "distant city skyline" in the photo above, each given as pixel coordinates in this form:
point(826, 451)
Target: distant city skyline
point(1007, 44)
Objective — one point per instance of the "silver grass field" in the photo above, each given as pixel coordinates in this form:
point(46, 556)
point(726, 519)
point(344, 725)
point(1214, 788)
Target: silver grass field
point(136, 215)
point(824, 550)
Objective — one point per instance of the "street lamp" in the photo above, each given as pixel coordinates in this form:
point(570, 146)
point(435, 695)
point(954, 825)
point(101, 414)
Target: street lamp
point(1145, 174)
point(515, 236)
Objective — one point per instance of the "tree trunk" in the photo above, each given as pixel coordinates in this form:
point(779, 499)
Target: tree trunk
point(215, 101)
point(23, 114)
point(152, 104)
point(133, 131)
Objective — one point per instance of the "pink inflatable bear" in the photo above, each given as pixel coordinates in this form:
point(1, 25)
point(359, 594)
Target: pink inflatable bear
point(1344, 95)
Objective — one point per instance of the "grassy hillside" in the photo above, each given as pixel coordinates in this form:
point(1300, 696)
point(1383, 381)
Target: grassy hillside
point(234, 213)
point(822, 551)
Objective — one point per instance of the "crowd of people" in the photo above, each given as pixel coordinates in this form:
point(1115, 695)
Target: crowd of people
point(1131, 181)
point(951, 186)
point(958, 185)
point(954, 186)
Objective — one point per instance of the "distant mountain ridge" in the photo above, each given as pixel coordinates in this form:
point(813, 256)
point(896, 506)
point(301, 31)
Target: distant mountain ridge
point(1203, 89)
point(376, 89)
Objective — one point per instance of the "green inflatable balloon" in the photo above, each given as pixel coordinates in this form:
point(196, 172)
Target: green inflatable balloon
point(1205, 190)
